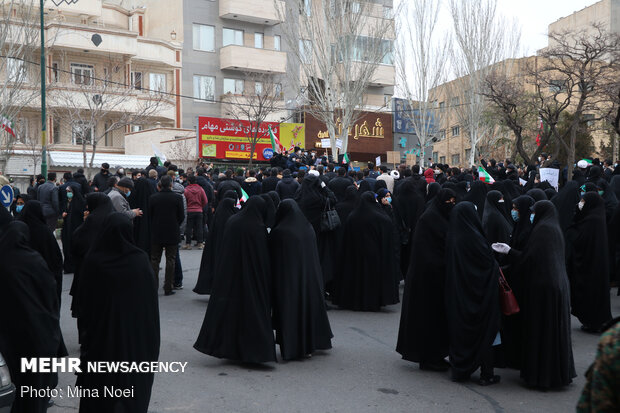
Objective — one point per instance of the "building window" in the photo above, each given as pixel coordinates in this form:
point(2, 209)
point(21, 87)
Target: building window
point(456, 159)
point(305, 7)
point(442, 159)
point(204, 87)
point(277, 40)
point(258, 88)
point(467, 154)
point(258, 40)
point(357, 7)
point(455, 101)
point(55, 72)
point(157, 82)
point(233, 86)
point(456, 130)
point(387, 101)
point(107, 134)
point(557, 86)
point(435, 157)
point(278, 89)
point(589, 118)
point(16, 70)
point(136, 128)
point(442, 134)
point(204, 37)
point(305, 51)
point(82, 74)
point(136, 80)
point(231, 36)
point(82, 133)
point(387, 12)
point(55, 130)
point(442, 106)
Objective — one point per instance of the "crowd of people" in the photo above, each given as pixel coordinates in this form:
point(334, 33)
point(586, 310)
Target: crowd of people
point(282, 245)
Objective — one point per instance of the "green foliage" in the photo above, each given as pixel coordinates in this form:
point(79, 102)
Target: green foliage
point(584, 144)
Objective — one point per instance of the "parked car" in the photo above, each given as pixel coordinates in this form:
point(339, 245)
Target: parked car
point(7, 388)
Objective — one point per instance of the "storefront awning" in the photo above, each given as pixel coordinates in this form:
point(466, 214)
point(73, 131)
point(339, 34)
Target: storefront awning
point(76, 160)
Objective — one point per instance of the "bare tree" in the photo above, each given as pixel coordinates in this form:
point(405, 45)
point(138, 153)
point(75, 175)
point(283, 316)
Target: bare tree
point(336, 47)
point(420, 66)
point(95, 107)
point(575, 66)
point(483, 39)
point(19, 42)
point(183, 152)
point(251, 108)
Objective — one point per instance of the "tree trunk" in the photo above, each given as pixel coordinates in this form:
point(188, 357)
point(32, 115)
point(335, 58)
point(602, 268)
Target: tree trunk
point(571, 153)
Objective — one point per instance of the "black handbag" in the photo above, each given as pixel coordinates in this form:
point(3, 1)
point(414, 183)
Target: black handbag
point(329, 219)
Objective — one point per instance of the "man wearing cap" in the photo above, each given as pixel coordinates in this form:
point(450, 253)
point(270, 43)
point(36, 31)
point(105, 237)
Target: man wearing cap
point(119, 194)
point(100, 181)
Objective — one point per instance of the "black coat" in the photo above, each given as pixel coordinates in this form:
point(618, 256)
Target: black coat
point(237, 324)
point(269, 184)
point(75, 217)
point(339, 185)
point(139, 198)
point(367, 272)
point(228, 185)
point(423, 334)
point(546, 357)
point(100, 181)
point(299, 313)
point(472, 299)
point(566, 204)
point(588, 263)
point(30, 327)
point(225, 210)
point(287, 187)
point(166, 214)
point(119, 304)
point(495, 223)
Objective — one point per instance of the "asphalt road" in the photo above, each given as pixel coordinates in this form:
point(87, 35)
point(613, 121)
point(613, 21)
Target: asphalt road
point(362, 373)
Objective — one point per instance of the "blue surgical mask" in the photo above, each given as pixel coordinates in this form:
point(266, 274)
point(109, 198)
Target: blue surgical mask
point(19, 208)
point(601, 193)
point(389, 199)
point(128, 193)
point(532, 218)
point(69, 195)
point(515, 215)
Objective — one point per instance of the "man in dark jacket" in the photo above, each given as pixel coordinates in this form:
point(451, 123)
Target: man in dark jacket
point(251, 185)
point(154, 164)
point(228, 184)
point(47, 194)
point(270, 183)
point(339, 184)
point(100, 181)
point(165, 217)
point(288, 186)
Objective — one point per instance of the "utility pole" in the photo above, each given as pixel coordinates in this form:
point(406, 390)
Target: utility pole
point(43, 114)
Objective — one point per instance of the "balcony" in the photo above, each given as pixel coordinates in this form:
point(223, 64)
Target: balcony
point(91, 8)
point(383, 76)
point(78, 37)
point(249, 59)
point(252, 11)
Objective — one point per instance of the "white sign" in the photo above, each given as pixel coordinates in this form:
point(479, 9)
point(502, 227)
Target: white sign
point(325, 143)
point(339, 143)
point(378, 161)
point(522, 182)
point(550, 175)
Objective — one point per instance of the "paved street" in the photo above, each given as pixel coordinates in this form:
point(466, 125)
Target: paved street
point(362, 373)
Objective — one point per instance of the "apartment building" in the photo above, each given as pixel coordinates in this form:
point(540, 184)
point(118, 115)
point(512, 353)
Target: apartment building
point(605, 13)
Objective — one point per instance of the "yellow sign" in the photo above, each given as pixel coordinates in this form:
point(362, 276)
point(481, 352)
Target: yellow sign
point(360, 131)
point(209, 150)
point(240, 155)
point(292, 134)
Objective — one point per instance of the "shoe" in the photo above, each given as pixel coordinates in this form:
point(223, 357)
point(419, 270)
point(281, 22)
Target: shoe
point(489, 381)
point(435, 366)
point(169, 293)
point(177, 287)
point(187, 247)
point(200, 246)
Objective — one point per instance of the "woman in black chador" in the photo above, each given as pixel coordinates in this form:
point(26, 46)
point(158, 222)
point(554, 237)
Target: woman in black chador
point(30, 325)
point(587, 263)
point(423, 335)
point(495, 220)
point(73, 217)
point(43, 241)
point(118, 302)
point(299, 312)
point(139, 198)
point(546, 356)
point(225, 209)
point(237, 324)
point(472, 298)
point(368, 265)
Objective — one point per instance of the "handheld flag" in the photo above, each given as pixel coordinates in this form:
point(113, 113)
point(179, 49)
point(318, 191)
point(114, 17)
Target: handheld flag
point(484, 176)
point(275, 142)
point(161, 158)
point(345, 159)
point(7, 125)
point(244, 197)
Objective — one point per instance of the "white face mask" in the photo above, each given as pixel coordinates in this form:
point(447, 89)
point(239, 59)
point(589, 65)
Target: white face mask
point(501, 201)
point(581, 204)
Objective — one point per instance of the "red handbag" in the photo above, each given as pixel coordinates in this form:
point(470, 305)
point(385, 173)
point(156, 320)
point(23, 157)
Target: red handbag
point(507, 300)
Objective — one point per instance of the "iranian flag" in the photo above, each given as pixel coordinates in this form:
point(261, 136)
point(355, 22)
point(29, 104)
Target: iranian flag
point(275, 142)
point(244, 196)
point(161, 158)
point(345, 159)
point(7, 125)
point(484, 176)
point(541, 129)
